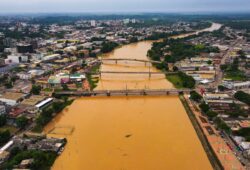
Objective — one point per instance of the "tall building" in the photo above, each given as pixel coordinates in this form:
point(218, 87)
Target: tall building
point(126, 21)
point(93, 23)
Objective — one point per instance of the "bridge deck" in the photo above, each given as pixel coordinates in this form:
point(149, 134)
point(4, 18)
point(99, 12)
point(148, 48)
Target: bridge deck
point(139, 92)
point(128, 59)
point(122, 72)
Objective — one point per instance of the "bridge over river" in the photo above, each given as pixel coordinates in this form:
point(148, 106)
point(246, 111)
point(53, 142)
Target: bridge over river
point(136, 92)
point(129, 59)
point(130, 72)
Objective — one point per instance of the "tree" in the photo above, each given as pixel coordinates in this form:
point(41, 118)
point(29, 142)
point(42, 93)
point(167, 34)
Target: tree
point(221, 88)
point(245, 132)
point(21, 122)
point(222, 125)
point(84, 64)
point(211, 114)
point(108, 47)
point(195, 96)
point(223, 67)
point(175, 68)
point(133, 39)
point(65, 87)
point(209, 62)
point(204, 107)
point(36, 89)
point(8, 84)
point(187, 81)
point(4, 136)
point(243, 97)
point(2, 120)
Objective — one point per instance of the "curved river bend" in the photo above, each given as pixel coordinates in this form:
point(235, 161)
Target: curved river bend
point(128, 133)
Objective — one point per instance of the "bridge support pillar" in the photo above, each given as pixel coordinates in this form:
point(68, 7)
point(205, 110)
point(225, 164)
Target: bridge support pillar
point(116, 61)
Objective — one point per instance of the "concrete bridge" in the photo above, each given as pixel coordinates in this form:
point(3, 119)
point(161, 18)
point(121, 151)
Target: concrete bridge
point(128, 59)
point(125, 72)
point(136, 92)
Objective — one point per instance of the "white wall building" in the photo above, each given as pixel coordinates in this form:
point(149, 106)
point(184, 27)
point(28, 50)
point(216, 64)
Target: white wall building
point(93, 23)
point(12, 59)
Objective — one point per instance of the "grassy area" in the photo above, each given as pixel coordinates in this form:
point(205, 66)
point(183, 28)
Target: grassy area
point(236, 76)
point(93, 81)
point(175, 80)
point(48, 90)
point(12, 129)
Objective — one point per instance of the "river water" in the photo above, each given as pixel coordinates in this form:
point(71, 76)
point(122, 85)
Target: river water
point(128, 133)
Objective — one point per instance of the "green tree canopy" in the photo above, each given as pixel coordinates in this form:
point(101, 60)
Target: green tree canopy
point(21, 122)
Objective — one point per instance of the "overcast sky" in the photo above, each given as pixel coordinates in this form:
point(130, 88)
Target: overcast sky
point(15, 6)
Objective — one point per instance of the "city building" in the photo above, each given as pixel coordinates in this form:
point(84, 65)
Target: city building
point(25, 48)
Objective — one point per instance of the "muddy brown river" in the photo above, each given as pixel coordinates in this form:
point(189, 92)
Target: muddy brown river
point(128, 133)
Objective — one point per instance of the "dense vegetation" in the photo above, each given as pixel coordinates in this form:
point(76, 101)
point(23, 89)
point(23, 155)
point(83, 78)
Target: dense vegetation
point(232, 71)
point(4, 136)
point(3, 120)
point(222, 125)
point(42, 160)
point(178, 49)
point(245, 132)
point(108, 47)
point(195, 96)
point(36, 89)
point(243, 97)
point(21, 122)
point(181, 80)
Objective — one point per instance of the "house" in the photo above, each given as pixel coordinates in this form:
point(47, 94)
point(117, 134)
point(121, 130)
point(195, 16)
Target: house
point(77, 77)
point(58, 79)
point(44, 103)
point(11, 98)
point(219, 102)
point(26, 163)
point(51, 57)
point(236, 85)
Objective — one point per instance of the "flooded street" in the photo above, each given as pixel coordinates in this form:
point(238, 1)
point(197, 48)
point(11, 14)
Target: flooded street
point(128, 133)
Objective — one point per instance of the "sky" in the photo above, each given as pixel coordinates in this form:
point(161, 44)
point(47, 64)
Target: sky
point(47, 6)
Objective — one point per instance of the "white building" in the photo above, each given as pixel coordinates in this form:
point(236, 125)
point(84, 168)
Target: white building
point(93, 23)
point(12, 59)
point(236, 85)
point(51, 57)
point(126, 21)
